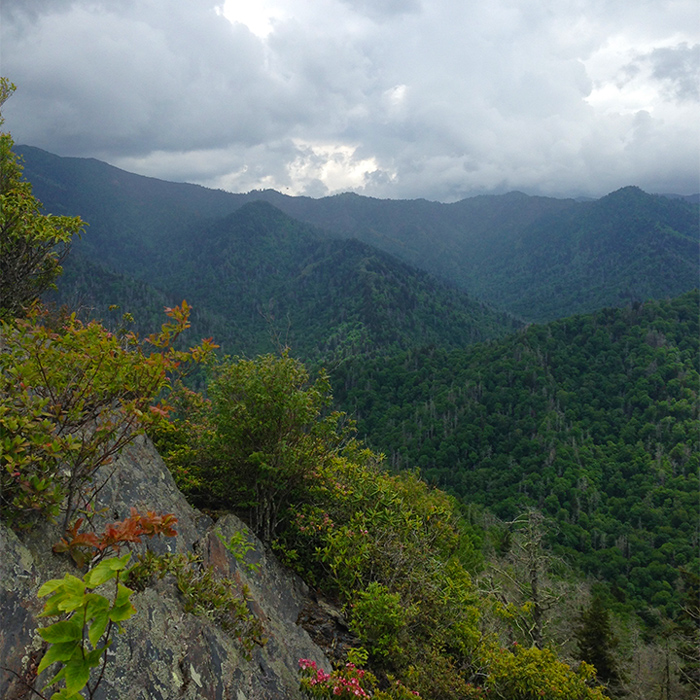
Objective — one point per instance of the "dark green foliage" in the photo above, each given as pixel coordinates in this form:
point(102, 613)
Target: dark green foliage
point(540, 258)
point(597, 644)
point(628, 246)
point(121, 302)
point(593, 419)
point(325, 299)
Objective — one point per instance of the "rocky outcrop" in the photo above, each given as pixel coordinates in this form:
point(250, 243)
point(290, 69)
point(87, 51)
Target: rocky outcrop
point(164, 653)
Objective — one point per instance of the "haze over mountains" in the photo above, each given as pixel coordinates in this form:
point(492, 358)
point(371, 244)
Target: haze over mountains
point(536, 258)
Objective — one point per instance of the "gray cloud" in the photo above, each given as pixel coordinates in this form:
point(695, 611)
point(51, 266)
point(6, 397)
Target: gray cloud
point(397, 98)
point(676, 68)
point(379, 9)
point(679, 66)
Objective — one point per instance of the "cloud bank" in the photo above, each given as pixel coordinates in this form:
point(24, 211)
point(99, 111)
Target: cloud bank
point(389, 98)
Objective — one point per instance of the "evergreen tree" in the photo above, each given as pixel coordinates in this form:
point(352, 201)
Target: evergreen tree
point(597, 642)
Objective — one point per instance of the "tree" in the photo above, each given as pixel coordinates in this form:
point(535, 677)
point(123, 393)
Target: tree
point(32, 245)
point(597, 643)
point(522, 582)
point(270, 437)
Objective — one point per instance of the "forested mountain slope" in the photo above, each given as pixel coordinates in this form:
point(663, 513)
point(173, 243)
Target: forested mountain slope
point(259, 280)
point(270, 275)
point(593, 419)
point(131, 218)
point(627, 246)
point(121, 301)
point(537, 257)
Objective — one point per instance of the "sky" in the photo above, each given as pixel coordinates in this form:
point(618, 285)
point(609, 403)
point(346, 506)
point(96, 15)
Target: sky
point(401, 99)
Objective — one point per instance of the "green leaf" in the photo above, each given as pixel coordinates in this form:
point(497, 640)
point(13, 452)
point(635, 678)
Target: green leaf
point(93, 657)
point(120, 563)
point(98, 627)
point(122, 612)
point(123, 596)
point(71, 603)
point(95, 604)
point(100, 574)
point(51, 605)
point(57, 652)
point(64, 631)
point(50, 586)
point(73, 585)
point(63, 694)
point(77, 675)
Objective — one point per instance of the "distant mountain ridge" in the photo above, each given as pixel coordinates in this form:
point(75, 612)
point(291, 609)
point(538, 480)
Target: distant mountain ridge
point(259, 280)
point(539, 258)
point(329, 298)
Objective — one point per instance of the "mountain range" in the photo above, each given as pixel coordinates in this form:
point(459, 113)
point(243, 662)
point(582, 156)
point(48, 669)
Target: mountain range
point(524, 420)
point(535, 258)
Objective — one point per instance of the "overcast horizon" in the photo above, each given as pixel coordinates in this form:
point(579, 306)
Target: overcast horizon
point(394, 99)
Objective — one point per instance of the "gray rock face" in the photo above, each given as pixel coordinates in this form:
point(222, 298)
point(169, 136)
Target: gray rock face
point(164, 653)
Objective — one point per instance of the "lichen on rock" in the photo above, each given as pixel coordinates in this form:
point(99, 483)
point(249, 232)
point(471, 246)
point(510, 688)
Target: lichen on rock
point(164, 652)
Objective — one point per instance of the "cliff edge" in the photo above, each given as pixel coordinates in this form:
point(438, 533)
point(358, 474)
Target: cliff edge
point(164, 652)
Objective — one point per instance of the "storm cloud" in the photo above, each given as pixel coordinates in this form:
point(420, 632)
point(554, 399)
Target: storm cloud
point(390, 98)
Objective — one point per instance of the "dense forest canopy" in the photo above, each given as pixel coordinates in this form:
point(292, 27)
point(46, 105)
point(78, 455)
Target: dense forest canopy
point(593, 419)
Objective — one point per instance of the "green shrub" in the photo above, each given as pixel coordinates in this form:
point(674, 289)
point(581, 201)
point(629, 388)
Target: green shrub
point(73, 395)
point(261, 442)
point(380, 620)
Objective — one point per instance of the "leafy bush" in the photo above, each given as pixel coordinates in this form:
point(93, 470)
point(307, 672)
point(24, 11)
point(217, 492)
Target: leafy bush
point(72, 395)
point(259, 443)
point(379, 618)
point(390, 547)
point(32, 245)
